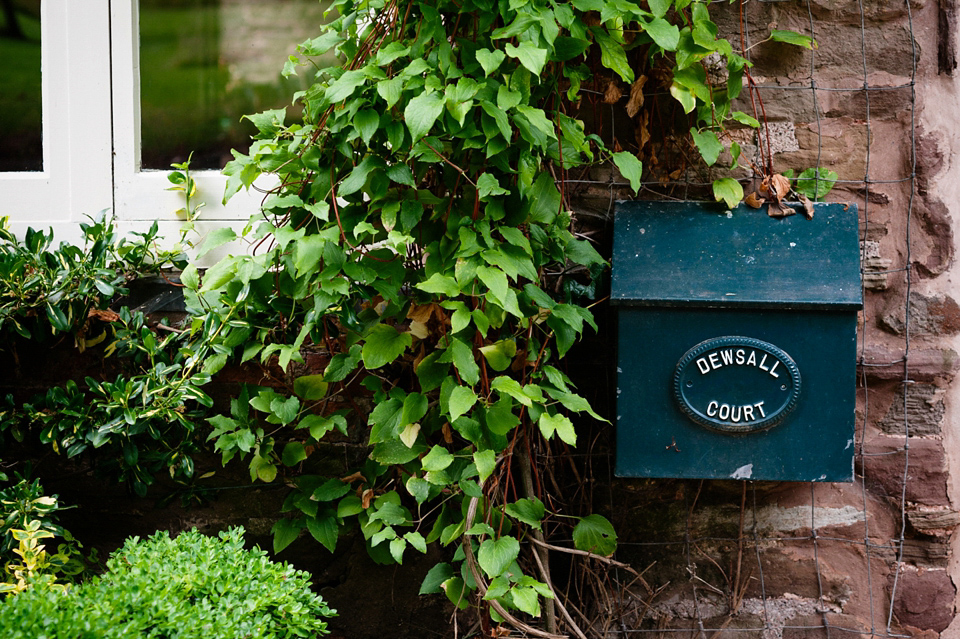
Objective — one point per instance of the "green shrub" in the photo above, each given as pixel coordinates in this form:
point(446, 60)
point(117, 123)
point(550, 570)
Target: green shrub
point(191, 586)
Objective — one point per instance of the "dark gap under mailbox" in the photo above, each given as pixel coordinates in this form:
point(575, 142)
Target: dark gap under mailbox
point(737, 342)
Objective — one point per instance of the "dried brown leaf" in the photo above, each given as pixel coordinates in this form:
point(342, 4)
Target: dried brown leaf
point(754, 200)
point(636, 96)
point(807, 207)
point(447, 433)
point(778, 210)
point(781, 185)
point(613, 93)
point(642, 131)
point(103, 316)
point(366, 498)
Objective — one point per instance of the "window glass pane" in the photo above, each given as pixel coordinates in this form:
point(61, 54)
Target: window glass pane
point(206, 63)
point(21, 138)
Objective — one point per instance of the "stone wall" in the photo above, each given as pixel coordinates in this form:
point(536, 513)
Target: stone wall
point(765, 560)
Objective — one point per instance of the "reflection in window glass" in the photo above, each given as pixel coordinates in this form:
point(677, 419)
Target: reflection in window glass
point(21, 138)
point(206, 63)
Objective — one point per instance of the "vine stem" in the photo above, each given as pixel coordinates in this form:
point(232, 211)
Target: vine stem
point(540, 553)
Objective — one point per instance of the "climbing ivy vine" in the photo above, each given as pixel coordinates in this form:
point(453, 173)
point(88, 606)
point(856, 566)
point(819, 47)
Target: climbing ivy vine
point(416, 231)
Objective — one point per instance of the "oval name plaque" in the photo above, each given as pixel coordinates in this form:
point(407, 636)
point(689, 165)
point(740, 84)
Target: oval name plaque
point(736, 384)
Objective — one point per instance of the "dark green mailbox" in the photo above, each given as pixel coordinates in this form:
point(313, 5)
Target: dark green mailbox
point(737, 342)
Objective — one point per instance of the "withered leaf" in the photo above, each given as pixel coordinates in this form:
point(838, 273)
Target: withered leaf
point(776, 209)
point(807, 207)
point(754, 200)
point(447, 433)
point(642, 130)
point(636, 96)
point(366, 498)
point(613, 93)
point(780, 184)
point(103, 316)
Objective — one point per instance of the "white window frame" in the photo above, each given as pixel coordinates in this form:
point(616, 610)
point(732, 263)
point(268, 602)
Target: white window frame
point(77, 177)
point(90, 66)
point(141, 196)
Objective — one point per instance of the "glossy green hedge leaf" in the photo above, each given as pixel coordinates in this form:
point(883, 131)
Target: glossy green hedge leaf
point(344, 86)
point(396, 452)
point(383, 345)
point(367, 122)
point(728, 190)
point(630, 167)
point(416, 540)
point(659, 8)
point(545, 200)
point(495, 556)
point(330, 490)
point(743, 118)
point(421, 113)
point(595, 534)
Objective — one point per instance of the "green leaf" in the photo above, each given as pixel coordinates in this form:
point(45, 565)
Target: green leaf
point(461, 401)
point(816, 183)
point(367, 122)
point(559, 424)
point(529, 511)
point(394, 451)
point(488, 185)
point(310, 387)
point(416, 540)
point(384, 344)
point(419, 488)
point(708, 144)
point(421, 113)
point(630, 167)
point(683, 96)
point(612, 54)
point(435, 577)
point(486, 463)
point(293, 453)
point(595, 534)
point(530, 56)
point(330, 490)
point(397, 546)
point(729, 191)
point(440, 284)
point(490, 60)
point(659, 8)
point(344, 86)
point(390, 90)
point(743, 118)
point(217, 238)
point(285, 531)
point(324, 529)
point(544, 200)
point(495, 556)
point(792, 37)
point(666, 35)
point(499, 355)
point(437, 459)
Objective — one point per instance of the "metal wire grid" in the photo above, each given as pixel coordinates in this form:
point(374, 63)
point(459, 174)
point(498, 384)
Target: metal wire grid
point(880, 613)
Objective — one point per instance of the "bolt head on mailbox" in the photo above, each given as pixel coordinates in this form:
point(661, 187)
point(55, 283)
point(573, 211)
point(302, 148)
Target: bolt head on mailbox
point(737, 342)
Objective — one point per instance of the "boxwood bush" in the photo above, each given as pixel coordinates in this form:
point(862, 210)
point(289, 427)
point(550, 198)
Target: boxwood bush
point(190, 586)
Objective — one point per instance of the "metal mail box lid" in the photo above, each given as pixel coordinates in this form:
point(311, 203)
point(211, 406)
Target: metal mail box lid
point(695, 254)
